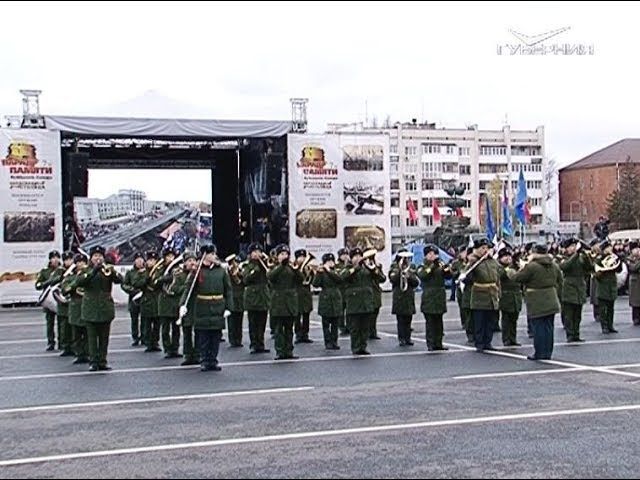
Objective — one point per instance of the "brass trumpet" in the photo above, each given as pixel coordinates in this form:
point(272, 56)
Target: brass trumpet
point(369, 259)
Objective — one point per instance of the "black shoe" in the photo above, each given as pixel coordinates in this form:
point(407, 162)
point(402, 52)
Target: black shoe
point(306, 340)
point(490, 348)
point(93, 367)
point(613, 330)
point(409, 343)
point(236, 345)
point(606, 331)
point(374, 337)
point(532, 358)
point(216, 368)
point(442, 349)
point(66, 353)
point(104, 368)
point(223, 340)
point(81, 360)
point(507, 344)
point(361, 352)
point(297, 341)
point(280, 357)
point(479, 350)
point(344, 333)
point(51, 348)
point(430, 349)
point(260, 350)
point(187, 363)
point(579, 340)
point(172, 355)
point(516, 344)
point(136, 343)
point(335, 347)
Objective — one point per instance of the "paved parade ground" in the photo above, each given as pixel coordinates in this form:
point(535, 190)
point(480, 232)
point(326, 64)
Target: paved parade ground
point(398, 413)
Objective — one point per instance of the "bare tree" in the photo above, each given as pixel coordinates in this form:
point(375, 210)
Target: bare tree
point(550, 179)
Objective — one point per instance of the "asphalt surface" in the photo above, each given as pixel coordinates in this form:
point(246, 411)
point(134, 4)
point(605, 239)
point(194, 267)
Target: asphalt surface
point(400, 413)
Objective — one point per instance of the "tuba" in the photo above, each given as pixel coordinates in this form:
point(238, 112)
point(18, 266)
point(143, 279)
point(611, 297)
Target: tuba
point(610, 263)
point(405, 266)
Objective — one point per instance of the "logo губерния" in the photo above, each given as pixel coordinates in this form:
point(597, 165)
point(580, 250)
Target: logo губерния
point(534, 45)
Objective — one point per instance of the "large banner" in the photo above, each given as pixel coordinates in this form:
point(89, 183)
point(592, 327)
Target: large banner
point(31, 211)
point(339, 194)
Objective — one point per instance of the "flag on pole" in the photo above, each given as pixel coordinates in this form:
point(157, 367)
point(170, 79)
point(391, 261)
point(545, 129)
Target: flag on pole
point(436, 211)
point(413, 215)
point(507, 227)
point(491, 227)
point(521, 205)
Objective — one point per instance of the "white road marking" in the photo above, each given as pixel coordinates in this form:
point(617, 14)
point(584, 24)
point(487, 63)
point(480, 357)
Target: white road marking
point(320, 434)
point(251, 363)
point(133, 401)
point(543, 372)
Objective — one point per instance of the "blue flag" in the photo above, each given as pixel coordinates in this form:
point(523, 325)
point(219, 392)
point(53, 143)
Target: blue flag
point(507, 227)
point(521, 200)
point(491, 227)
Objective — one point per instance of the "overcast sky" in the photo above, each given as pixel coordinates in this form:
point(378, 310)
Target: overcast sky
point(436, 62)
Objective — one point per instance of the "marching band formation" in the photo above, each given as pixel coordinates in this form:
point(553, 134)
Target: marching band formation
point(197, 297)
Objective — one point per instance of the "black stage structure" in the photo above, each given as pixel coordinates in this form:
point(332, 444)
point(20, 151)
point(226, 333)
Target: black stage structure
point(247, 161)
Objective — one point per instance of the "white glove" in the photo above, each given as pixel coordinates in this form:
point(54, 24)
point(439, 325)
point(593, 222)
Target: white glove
point(183, 311)
point(462, 277)
point(578, 247)
point(226, 314)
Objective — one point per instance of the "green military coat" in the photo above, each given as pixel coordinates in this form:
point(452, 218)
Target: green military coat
point(330, 302)
point(211, 296)
point(285, 284)
point(97, 302)
point(403, 303)
point(542, 279)
point(132, 278)
point(256, 291)
point(510, 291)
point(358, 290)
point(634, 282)
point(484, 283)
point(575, 269)
point(74, 293)
point(434, 295)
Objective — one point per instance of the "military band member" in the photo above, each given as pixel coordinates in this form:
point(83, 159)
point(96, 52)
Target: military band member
point(542, 280)
point(234, 323)
point(98, 309)
point(377, 278)
point(633, 264)
point(456, 269)
point(344, 263)
point(50, 276)
point(483, 279)
point(576, 267)
point(465, 302)
point(149, 303)
point(305, 300)
point(510, 299)
point(132, 276)
point(256, 296)
point(432, 274)
point(359, 295)
point(209, 304)
point(190, 344)
point(607, 286)
point(404, 282)
point(593, 284)
point(285, 280)
point(330, 301)
point(65, 334)
point(71, 290)
point(168, 303)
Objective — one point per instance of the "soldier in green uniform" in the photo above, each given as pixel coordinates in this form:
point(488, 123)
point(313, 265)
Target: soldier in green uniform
point(237, 309)
point(285, 281)
point(98, 310)
point(360, 301)
point(256, 297)
point(47, 277)
point(131, 277)
point(576, 267)
point(74, 293)
point(210, 303)
point(377, 278)
point(190, 345)
point(168, 303)
point(510, 299)
point(432, 273)
point(149, 285)
point(344, 263)
point(305, 300)
point(465, 299)
point(593, 284)
point(483, 279)
point(633, 264)
point(457, 266)
point(607, 286)
point(330, 301)
point(404, 281)
point(65, 338)
point(542, 280)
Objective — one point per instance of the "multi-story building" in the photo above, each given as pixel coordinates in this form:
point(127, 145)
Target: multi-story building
point(135, 198)
point(425, 159)
point(123, 204)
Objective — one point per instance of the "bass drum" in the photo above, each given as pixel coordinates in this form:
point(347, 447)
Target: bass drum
point(47, 300)
point(622, 276)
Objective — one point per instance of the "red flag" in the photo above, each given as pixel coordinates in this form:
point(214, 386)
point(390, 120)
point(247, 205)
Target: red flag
point(436, 211)
point(459, 212)
point(527, 211)
point(413, 215)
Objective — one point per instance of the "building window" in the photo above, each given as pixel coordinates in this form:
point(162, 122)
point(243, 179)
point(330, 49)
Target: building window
point(411, 168)
point(395, 184)
point(411, 186)
point(431, 148)
point(412, 223)
point(450, 150)
point(493, 150)
point(449, 167)
point(393, 148)
point(526, 150)
point(464, 169)
point(464, 151)
point(395, 202)
point(427, 202)
point(393, 168)
point(427, 184)
point(411, 151)
point(427, 220)
point(492, 168)
point(395, 221)
point(394, 158)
